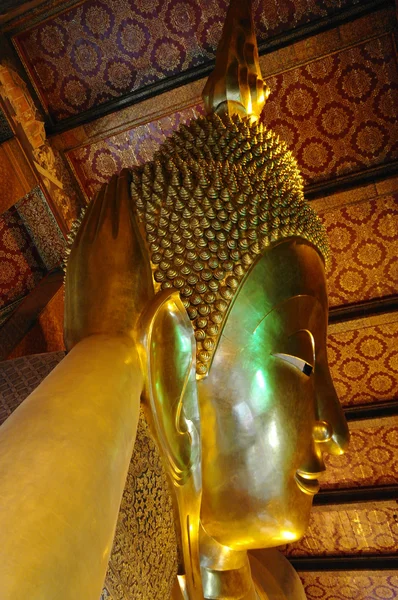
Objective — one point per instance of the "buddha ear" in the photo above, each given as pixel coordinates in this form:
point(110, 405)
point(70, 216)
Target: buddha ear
point(171, 392)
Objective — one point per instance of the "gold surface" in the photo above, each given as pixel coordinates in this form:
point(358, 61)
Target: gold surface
point(233, 376)
point(59, 451)
point(236, 87)
point(218, 194)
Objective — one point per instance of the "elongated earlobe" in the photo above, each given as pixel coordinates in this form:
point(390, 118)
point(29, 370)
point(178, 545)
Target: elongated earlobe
point(171, 402)
point(171, 383)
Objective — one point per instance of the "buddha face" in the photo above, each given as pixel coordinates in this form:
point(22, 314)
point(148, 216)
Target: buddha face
point(268, 408)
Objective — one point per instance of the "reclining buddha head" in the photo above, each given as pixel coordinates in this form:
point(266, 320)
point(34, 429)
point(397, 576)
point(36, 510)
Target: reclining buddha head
point(238, 389)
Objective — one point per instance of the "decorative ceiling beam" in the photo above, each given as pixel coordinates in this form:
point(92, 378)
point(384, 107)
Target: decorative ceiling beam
point(359, 494)
point(386, 562)
point(377, 410)
point(359, 310)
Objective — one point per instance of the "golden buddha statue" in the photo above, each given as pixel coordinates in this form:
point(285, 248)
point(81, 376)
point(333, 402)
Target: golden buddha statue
point(195, 285)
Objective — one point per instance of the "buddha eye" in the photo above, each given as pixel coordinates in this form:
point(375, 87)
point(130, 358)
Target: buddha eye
point(297, 362)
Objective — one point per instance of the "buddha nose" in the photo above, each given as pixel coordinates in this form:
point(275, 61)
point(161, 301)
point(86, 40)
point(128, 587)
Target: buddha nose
point(330, 430)
point(322, 432)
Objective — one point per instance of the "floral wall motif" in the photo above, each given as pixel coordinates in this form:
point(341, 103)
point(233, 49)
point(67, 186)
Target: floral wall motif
point(363, 358)
point(350, 585)
point(21, 264)
point(31, 244)
point(6, 133)
point(345, 529)
point(338, 113)
point(371, 458)
point(99, 50)
point(363, 262)
point(94, 164)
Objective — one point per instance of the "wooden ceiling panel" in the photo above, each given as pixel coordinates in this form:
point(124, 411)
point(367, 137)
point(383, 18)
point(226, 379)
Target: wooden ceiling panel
point(336, 113)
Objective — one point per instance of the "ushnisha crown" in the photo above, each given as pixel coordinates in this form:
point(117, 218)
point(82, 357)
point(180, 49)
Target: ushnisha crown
point(217, 195)
point(221, 191)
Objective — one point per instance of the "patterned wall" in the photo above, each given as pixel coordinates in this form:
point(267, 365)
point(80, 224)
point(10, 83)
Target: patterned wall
point(362, 238)
point(345, 529)
point(6, 133)
point(100, 50)
point(363, 358)
point(21, 264)
point(31, 244)
point(337, 114)
point(371, 458)
point(342, 585)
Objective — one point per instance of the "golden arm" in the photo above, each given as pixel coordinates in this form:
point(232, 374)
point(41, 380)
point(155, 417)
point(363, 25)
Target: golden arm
point(65, 452)
point(64, 456)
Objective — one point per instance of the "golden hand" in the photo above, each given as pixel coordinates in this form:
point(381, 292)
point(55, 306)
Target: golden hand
point(108, 280)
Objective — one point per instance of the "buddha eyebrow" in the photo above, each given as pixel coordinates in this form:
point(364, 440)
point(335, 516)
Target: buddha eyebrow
point(297, 362)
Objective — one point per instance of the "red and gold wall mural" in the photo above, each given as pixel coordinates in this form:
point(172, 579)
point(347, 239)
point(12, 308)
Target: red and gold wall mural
point(363, 257)
point(371, 457)
point(97, 51)
point(343, 529)
point(357, 585)
point(31, 244)
point(363, 358)
point(337, 115)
